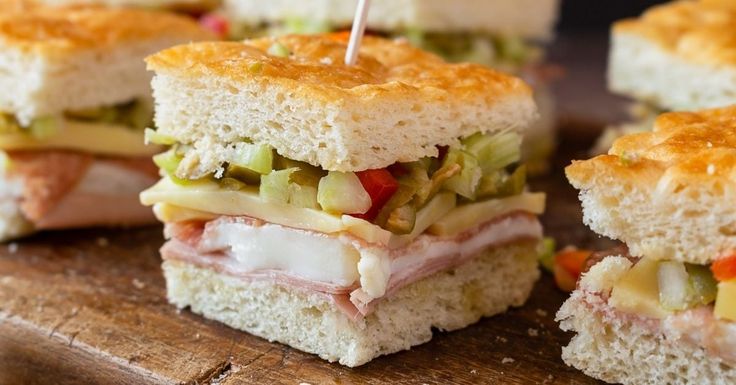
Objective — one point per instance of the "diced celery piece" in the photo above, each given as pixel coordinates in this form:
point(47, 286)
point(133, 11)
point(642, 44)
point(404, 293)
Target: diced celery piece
point(42, 128)
point(168, 161)
point(139, 115)
point(403, 195)
point(704, 286)
point(674, 287)
point(153, 136)
point(439, 177)
point(547, 253)
point(402, 219)
point(513, 49)
point(303, 195)
point(342, 192)
point(231, 184)
point(466, 182)
point(8, 125)
point(514, 184)
point(275, 186)
point(243, 174)
point(278, 49)
point(257, 157)
point(307, 175)
point(494, 151)
point(306, 26)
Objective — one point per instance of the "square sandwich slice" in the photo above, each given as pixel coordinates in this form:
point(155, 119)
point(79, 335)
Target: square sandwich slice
point(342, 210)
point(675, 56)
point(76, 102)
point(665, 310)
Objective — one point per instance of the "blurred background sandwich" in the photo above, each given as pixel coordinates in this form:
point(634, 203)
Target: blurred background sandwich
point(75, 102)
point(674, 57)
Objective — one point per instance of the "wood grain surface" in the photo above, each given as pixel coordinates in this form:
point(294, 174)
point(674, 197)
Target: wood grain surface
point(85, 307)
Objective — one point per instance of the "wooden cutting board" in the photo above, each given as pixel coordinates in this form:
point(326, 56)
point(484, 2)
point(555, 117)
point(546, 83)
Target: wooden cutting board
point(85, 307)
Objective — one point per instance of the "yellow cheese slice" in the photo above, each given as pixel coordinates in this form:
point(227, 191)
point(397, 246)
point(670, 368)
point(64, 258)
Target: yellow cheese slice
point(96, 138)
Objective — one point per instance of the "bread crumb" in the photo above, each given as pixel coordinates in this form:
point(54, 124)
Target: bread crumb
point(710, 145)
point(304, 383)
point(711, 169)
point(12, 247)
point(102, 242)
point(542, 313)
point(508, 360)
point(532, 332)
point(473, 371)
point(501, 339)
point(138, 284)
point(326, 61)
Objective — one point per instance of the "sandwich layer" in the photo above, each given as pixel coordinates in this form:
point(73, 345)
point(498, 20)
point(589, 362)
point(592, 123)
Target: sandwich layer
point(677, 56)
point(57, 190)
point(344, 266)
point(397, 104)
point(506, 17)
point(68, 58)
point(686, 348)
point(449, 300)
point(666, 193)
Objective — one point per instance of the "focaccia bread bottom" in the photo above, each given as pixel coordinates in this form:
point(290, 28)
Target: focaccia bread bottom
point(487, 285)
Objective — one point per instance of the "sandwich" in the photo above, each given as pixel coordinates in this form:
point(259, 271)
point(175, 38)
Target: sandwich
point(502, 34)
point(345, 211)
point(74, 106)
point(663, 309)
point(674, 57)
point(188, 6)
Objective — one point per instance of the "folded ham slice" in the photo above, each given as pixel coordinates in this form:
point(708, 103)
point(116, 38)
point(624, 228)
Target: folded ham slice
point(233, 245)
point(62, 189)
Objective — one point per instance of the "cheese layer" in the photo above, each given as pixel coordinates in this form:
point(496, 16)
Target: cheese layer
point(91, 137)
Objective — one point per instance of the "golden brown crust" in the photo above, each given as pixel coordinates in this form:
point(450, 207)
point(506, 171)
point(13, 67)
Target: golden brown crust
point(701, 31)
point(687, 147)
point(316, 67)
point(65, 30)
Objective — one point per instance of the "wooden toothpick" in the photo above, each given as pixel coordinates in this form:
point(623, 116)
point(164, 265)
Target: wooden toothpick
point(356, 33)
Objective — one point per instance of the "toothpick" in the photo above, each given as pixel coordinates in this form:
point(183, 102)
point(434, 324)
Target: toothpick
point(356, 33)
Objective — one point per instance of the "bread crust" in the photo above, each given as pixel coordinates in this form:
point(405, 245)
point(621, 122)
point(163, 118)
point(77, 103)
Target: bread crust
point(58, 31)
point(699, 31)
point(315, 69)
point(396, 105)
point(666, 193)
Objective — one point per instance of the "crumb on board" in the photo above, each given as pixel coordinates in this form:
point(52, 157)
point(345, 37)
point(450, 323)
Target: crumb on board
point(502, 340)
point(102, 242)
point(542, 312)
point(532, 332)
point(508, 360)
point(304, 383)
point(12, 247)
point(138, 284)
point(473, 371)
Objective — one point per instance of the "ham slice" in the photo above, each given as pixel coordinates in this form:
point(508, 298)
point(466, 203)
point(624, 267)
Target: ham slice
point(428, 254)
point(63, 189)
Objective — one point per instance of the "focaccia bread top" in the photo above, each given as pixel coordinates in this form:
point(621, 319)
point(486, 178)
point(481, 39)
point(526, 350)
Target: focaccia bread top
point(667, 193)
point(295, 93)
point(699, 31)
